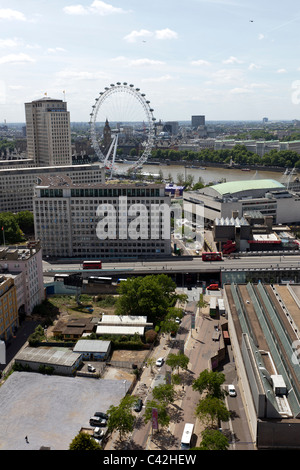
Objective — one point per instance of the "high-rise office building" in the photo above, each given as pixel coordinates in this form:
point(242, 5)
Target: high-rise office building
point(48, 132)
point(198, 121)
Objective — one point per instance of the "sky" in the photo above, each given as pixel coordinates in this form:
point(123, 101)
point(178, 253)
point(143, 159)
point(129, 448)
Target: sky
point(225, 59)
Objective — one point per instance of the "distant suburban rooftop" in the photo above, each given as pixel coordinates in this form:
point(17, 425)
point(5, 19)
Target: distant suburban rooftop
point(238, 186)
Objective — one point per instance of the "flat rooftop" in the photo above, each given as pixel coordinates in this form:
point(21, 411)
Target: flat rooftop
point(270, 316)
point(233, 187)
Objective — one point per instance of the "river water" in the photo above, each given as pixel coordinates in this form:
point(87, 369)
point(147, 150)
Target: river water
point(210, 174)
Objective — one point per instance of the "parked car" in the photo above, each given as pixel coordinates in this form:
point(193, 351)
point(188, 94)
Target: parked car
point(178, 320)
point(91, 368)
point(232, 390)
point(97, 421)
point(138, 405)
point(159, 362)
point(98, 433)
point(213, 287)
point(99, 414)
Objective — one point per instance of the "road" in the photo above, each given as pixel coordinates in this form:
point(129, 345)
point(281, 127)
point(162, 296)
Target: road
point(175, 264)
point(199, 347)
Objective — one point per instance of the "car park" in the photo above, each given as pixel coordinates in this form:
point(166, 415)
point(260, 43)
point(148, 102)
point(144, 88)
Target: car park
point(97, 421)
point(138, 405)
point(159, 362)
point(232, 390)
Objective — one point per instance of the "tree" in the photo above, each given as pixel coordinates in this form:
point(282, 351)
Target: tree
point(213, 439)
point(213, 409)
point(150, 336)
point(84, 441)
point(162, 415)
point(210, 382)
point(120, 418)
point(150, 362)
point(25, 221)
point(11, 231)
point(151, 295)
point(164, 393)
point(177, 360)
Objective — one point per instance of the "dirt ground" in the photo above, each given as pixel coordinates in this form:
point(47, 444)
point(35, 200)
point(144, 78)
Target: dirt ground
point(127, 356)
point(130, 356)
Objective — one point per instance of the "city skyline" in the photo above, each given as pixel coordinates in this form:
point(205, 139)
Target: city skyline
point(218, 58)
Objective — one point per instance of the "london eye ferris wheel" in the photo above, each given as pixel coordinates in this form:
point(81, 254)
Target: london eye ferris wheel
point(131, 122)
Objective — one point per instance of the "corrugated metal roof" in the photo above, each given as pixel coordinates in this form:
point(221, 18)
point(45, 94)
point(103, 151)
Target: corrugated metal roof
point(93, 346)
point(45, 355)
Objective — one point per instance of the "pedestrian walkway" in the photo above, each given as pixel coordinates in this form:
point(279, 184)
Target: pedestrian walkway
point(198, 347)
point(146, 381)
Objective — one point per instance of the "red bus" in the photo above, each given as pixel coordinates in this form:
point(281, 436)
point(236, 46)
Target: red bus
point(92, 264)
point(212, 256)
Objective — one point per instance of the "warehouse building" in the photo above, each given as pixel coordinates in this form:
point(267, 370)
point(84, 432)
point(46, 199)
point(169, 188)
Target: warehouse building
point(62, 361)
point(123, 325)
point(93, 350)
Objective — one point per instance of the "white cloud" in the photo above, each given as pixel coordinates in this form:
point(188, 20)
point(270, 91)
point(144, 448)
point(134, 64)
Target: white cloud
point(261, 36)
point(232, 60)
point(16, 87)
point(281, 71)
point(240, 91)
point(55, 49)
point(68, 74)
point(134, 35)
point(14, 42)
point(97, 7)
point(253, 66)
point(226, 76)
point(76, 10)
point(145, 62)
point(9, 14)
point(136, 62)
point(160, 34)
point(163, 78)
point(120, 58)
point(200, 62)
point(16, 58)
point(166, 34)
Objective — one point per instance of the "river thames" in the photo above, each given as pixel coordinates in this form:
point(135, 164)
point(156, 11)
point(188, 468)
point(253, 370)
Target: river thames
point(210, 174)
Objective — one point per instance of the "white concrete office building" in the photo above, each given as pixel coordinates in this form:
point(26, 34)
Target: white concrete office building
point(67, 223)
point(17, 184)
point(48, 132)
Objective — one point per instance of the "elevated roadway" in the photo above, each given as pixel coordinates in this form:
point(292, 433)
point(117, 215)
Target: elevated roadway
point(180, 264)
